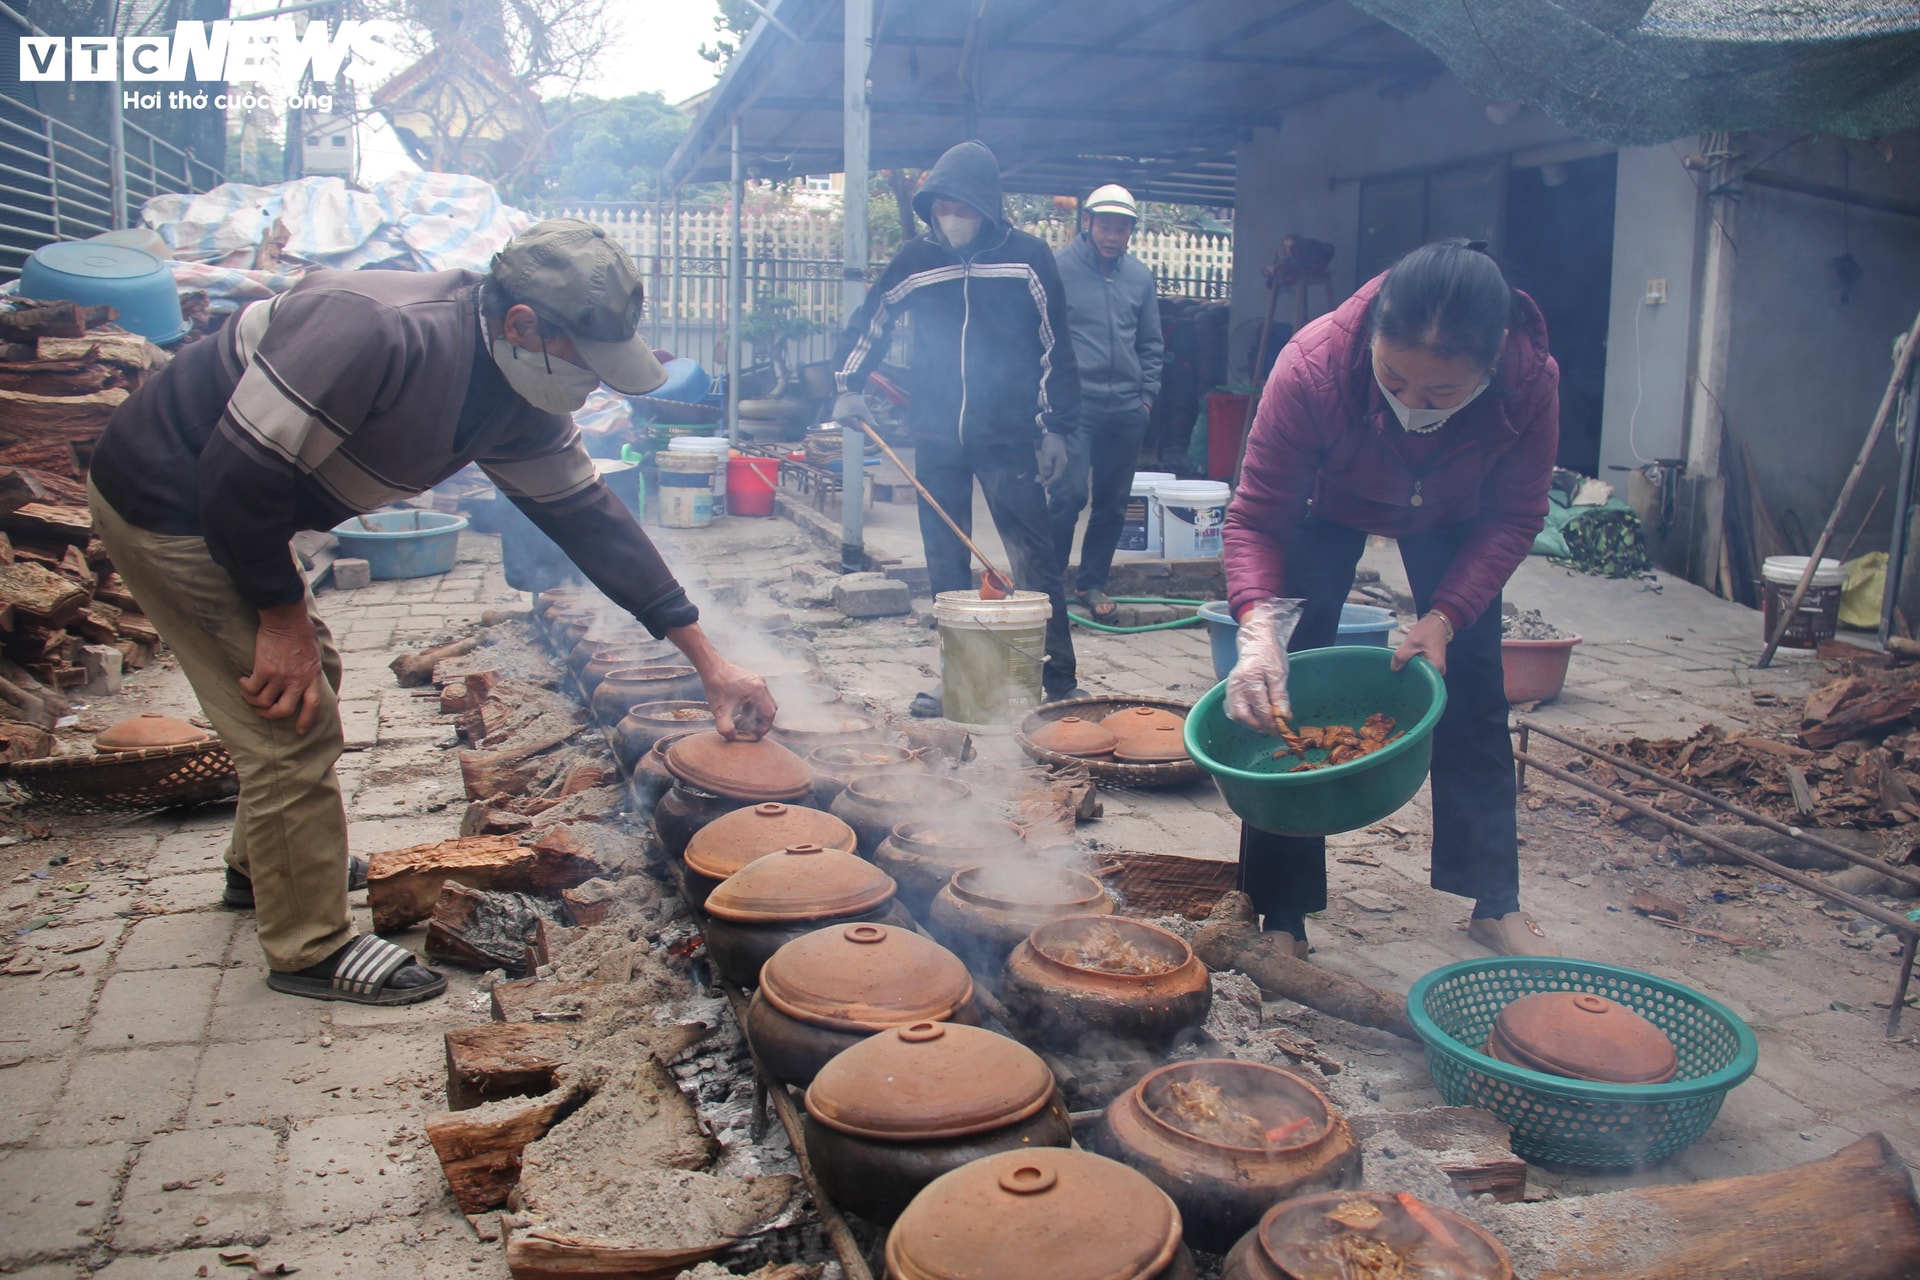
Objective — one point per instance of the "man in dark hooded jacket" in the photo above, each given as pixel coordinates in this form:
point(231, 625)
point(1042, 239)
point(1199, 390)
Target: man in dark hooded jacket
point(996, 393)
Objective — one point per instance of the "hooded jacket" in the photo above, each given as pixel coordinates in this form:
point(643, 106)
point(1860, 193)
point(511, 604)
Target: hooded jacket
point(992, 358)
point(1325, 434)
point(1115, 317)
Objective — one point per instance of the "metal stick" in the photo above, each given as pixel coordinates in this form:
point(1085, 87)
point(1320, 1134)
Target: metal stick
point(1726, 806)
point(1900, 986)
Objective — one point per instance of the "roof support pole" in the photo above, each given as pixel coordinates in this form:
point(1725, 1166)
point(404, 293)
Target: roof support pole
point(117, 140)
point(674, 299)
point(857, 48)
point(736, 286)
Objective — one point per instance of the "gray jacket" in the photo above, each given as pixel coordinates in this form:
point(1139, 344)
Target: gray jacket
point(1115, 322)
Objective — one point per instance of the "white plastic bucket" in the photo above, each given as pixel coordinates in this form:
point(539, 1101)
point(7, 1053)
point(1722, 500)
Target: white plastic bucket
point(716, 446)
point(1819, 614)
point(686, 489)
point(1140, 523)
point(991, 652)
point(1193, 514)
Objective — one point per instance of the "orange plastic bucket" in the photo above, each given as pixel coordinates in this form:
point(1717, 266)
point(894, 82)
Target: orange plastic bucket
point(750, 485)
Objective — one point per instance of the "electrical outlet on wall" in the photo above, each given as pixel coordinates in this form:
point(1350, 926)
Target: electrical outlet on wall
point(1656, 292)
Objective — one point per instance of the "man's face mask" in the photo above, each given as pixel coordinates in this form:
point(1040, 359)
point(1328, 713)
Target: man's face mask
point(958, 229)
point(544, 381)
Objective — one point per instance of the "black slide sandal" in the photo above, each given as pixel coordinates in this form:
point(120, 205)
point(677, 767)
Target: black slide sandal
point(360, 973)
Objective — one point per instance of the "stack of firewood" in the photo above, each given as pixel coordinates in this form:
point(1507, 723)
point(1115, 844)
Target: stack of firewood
point(64, 368)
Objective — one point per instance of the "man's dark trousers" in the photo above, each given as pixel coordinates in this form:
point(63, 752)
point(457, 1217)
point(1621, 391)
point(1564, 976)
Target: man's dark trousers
point(1008, 475)
point(1101, 461)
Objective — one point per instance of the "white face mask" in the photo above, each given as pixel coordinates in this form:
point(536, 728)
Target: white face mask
point(959, 231)
point(561, 389)
point(1422, 421)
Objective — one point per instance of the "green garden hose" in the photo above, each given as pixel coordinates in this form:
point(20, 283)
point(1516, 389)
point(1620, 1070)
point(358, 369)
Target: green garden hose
point(1173, 625)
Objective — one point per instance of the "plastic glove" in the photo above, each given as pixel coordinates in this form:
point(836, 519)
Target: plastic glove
point(1052, 452)
point(851, 407)
point(1257, 685)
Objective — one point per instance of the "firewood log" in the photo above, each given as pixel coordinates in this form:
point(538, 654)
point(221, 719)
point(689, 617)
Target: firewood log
point(563, 860)
point(403, 883)
point(60, 381)
point(127, 349)
point(39, 595)
point(75, 418)
point(415, 669)
point(1231, 939)
point(1471, 1146)
point(504, 1060)
point(1852, 1214)
point(54, 457)
point(480, 1148)
point(483, 930)
point(50, 520)
point(43, 320)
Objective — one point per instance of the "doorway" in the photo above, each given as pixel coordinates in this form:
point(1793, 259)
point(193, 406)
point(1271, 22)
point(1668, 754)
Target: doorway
point(1559, 249)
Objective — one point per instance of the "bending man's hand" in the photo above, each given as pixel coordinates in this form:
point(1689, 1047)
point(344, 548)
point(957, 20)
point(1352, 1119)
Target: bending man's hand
point(1257, 685)
point(1427, 639)
point(851, 407)
point(286, 675)
point(742, 705)
point(1052, 454)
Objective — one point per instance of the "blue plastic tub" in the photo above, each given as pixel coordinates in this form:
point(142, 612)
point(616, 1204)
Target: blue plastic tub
point(92, 272)
point(1359, 624)
point(402, 544)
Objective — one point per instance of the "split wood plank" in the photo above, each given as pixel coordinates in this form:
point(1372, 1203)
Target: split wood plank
point(504, 1060)
point(1471, 1145)
point(480, 1148)
point(402, 884)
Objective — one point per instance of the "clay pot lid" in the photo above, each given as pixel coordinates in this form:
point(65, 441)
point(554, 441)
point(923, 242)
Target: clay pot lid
point(1586, 1037)
point(865, 978)
point(762, 770)
point(733, 840)
point(673, 712)
point(149, 729)
point(1246, 1107)
point(1296, 1235)
point(1072, 736)
point(929, 1082)
point(1019, 883)
point(908, 788)
point(1045, 1211)
point(968, 837)
point(860, 755)
point(1133, 720)
point(802, 883)
point(1161, 744)
point(1070, 945)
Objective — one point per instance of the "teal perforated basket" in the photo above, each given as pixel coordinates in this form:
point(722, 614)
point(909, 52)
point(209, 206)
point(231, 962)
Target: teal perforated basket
point(1578, 1123)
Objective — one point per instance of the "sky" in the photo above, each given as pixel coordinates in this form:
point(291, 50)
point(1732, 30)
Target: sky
point(656, 47)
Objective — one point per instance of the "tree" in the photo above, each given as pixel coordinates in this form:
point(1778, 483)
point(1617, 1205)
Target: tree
point(734, 20)
point(611, 149)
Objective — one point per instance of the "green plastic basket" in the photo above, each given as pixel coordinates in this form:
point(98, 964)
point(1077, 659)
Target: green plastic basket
point(1577, 1123)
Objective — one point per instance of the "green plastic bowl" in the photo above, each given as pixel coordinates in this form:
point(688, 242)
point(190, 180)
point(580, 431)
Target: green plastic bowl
point(1342, 685)
point(1578, 1123)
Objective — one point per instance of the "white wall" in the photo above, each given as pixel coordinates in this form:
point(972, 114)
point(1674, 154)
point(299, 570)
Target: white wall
point(1654, 235)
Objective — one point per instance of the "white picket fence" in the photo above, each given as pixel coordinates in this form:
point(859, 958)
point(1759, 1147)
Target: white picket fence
point(795, 253)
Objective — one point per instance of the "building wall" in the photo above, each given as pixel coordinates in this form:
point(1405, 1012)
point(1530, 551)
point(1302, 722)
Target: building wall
point(1298, 178)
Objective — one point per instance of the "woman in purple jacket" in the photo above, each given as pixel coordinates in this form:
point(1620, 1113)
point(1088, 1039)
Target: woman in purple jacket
point(1425, 409)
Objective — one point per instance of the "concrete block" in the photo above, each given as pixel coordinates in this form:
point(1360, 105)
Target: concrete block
point(871, 595)
point(351, 574)
point(102, 663)
point(153, 1007)
point(52, 1201)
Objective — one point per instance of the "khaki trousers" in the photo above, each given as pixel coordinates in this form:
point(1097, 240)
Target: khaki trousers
point(290, 831)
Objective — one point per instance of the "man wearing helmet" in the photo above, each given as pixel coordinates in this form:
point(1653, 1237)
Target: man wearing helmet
point(1113, 313)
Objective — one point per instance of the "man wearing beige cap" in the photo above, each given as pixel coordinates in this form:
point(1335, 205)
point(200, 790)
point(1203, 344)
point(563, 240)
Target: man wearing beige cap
point(352, 390)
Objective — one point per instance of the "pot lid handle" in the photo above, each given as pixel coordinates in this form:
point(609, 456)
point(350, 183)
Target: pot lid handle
point(1028, 1180)
point(921, 1032)
point(864, 934)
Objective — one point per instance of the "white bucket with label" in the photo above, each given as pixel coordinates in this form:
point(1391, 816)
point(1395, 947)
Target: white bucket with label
point(1140, 522)
point(1818, 616)
point(686, 489)
point(716, 447)
point(1193, 514)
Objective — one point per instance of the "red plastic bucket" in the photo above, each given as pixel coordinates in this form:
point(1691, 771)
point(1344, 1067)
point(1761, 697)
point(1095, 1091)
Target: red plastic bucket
point(1226, 427)
point(750, 485)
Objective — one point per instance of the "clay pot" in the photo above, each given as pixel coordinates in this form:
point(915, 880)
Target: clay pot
point(804, 728)
point(650, 780)
point(148, 729)
point(681, 811)
point(564, 599)
point(755, 771)
point(873, 806)
point(649, 722)
point(618, 657)
point(834, 767)
point(982, 913)
point(1060, 1000)
point(922, 856)
point(624, 688)
point(1294, 1239)
point(1584, 1037)
point(783, 896)
point(728, 843)
point(901, 1108)
point(567, 626)
point(1223, 1179)
point(1062, 1215)
point(1072, 736)
point(825, 992)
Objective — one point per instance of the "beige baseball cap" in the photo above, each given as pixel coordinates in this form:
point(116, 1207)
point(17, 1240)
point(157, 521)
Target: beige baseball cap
point(574, 276)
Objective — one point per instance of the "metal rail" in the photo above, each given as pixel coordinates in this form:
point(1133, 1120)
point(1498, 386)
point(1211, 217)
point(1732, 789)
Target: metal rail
point(1893, 921)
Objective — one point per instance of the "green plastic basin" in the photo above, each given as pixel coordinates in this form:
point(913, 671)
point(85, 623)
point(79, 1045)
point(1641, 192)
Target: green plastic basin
point(1341, 685)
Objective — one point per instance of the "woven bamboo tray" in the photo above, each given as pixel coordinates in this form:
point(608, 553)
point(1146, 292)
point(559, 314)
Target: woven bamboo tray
point(1175, 773)
point(152, 778)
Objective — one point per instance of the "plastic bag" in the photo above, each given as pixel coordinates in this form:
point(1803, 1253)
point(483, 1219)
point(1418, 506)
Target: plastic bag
point(1866, 584)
